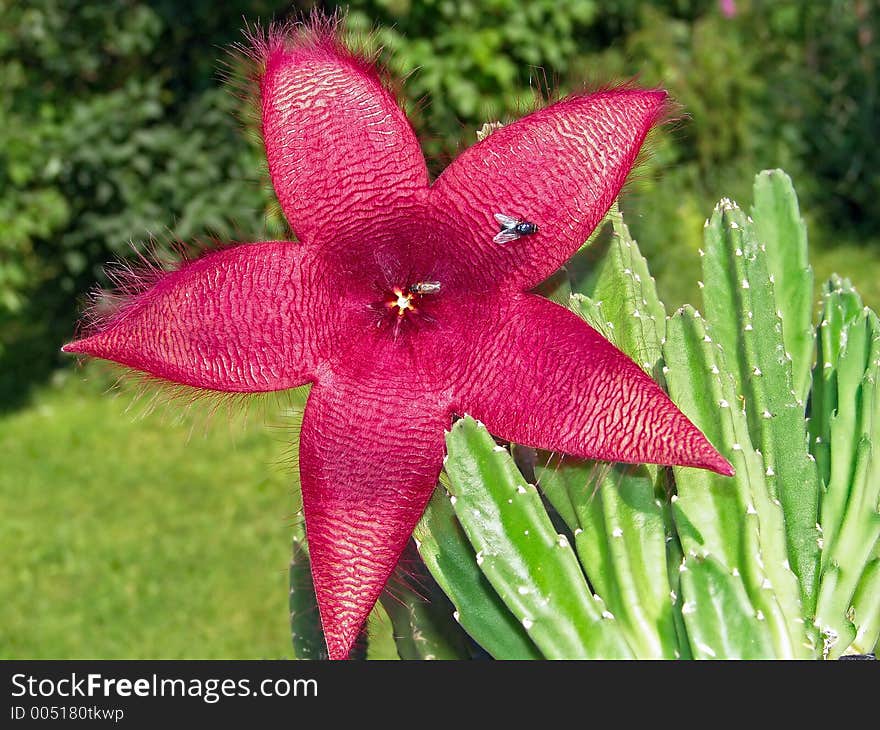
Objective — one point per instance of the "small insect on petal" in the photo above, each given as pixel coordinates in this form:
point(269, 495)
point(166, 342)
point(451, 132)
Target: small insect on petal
point(425, 287)
point(512, 228)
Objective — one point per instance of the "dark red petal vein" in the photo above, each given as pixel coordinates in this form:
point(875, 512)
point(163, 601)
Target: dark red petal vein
point(538, 375)
point(371, 450)
point(341, 152)
point(249, 318)
point(560, 168)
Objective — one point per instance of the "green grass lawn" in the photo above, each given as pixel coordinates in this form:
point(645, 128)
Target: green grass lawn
point(135, 534)
point(142, 536)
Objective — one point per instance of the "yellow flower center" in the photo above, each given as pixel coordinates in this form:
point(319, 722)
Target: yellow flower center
point(401, 301)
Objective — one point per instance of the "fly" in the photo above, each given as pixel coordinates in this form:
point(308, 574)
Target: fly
point(512, 228)
point(425, 287)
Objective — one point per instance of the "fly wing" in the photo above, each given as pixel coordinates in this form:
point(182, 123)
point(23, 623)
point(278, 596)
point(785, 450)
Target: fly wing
point(505, 236)
point(506, 220)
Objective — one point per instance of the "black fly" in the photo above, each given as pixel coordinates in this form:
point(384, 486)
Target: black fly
point(512, 228)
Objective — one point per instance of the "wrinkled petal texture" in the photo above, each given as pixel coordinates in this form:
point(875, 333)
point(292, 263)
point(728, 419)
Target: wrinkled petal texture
point(560, 167)
point(340, 150)
point(242, 319)
point(549, 380)
point(371, 449)
point(351, 179)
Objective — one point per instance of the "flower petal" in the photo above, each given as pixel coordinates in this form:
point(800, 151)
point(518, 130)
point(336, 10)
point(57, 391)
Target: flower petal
point(340, 150)
point(560, 168)
point(247, 318)
point(538, 375)
point(371, 449)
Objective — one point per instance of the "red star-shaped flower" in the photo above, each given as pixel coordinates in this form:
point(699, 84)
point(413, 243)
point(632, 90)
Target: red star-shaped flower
point(401, 309)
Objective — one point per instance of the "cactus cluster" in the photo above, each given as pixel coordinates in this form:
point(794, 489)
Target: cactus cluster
point(529, 555)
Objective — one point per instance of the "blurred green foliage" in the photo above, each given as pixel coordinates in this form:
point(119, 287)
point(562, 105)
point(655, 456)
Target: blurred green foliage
point(780, 84)
point(114, 124)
